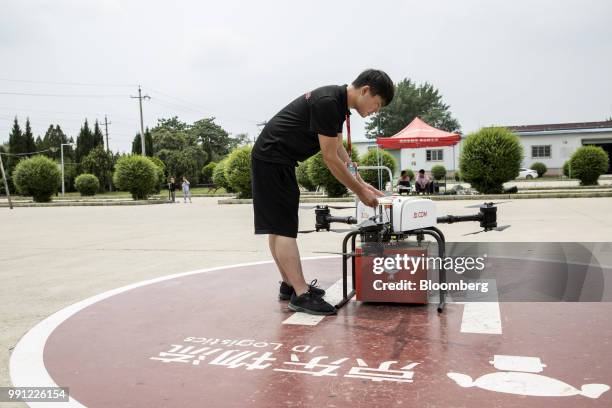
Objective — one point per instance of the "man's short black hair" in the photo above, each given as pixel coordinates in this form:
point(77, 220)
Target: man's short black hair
point(379, 83)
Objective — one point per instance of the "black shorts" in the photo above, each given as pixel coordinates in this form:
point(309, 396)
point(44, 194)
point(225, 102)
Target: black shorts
point(276, 198)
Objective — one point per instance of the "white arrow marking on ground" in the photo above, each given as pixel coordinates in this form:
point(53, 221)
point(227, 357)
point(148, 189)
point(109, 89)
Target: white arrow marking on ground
point(482, 317)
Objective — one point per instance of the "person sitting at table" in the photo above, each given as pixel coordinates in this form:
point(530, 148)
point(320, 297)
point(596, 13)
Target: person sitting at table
point(403, 184)
point(423, 184)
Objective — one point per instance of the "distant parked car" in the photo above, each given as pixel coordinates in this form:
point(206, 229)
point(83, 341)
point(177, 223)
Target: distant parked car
point(527, 174)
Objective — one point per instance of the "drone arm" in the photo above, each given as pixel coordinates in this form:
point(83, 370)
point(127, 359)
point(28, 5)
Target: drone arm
point(487, 218)
point(450, 219)
point(344, 220)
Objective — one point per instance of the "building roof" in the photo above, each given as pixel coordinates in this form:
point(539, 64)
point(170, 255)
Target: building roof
point(561, 126)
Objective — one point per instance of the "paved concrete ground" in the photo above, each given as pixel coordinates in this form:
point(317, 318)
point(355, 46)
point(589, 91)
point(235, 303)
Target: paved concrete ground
point(53, 257)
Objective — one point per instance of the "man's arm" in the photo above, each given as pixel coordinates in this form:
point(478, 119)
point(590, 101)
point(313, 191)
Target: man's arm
point(344, 156)
point(331, 157)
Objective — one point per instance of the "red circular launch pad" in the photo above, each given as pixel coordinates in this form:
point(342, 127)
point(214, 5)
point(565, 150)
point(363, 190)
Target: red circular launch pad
point(221, 338)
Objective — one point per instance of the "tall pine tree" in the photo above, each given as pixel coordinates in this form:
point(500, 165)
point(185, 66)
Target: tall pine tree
point(53, 139)
point(28, 138)
point(85, 142)
point(137, 144)
point(98, 138)
point(16, 145)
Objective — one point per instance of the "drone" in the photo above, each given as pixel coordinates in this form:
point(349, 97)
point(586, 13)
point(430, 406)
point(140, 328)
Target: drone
point(396, 219)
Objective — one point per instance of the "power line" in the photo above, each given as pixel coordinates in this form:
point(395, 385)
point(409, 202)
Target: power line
point(26, 154)
point(65, 83)
point(80, 114)
point(63, 95)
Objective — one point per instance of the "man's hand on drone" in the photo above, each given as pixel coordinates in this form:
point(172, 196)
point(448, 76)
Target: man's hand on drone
point(371, 188)
point(367, 197)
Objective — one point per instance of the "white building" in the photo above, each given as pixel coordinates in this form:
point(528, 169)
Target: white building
point(551, 144)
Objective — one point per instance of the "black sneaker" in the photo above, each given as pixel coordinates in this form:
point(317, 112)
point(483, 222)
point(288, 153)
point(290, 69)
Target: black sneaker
point(286, 290)
point(310, 303)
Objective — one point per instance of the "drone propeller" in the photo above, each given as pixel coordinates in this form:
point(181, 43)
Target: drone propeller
point(500, 228)
point(333, 207)
point(485, 205)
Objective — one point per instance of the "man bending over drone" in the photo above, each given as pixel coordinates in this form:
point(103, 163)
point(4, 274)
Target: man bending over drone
point(310, 123)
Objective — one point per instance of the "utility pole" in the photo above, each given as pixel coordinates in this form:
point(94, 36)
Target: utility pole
point(140, 97)
point(106, 123)
point(8, 194)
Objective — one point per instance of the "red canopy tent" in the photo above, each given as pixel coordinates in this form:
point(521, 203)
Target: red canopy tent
point(418, 134)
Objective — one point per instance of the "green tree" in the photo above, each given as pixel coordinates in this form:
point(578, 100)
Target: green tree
point(172, 124)
point(38, 177)
point(99, 162)
point(216, 142)
point(16, 142)
point(303, 179)
point(320, 175)
point(28, 138)
point(489, 158)
point(588, 163)
point(16, 146)
point(238, 171)
point(412, 100)
point(184, 162)
point(85, 142)
point(438, 172)
point(98, 137)
point(207, 172)
point(164, 139)
point(87, 184)
point(39, 144)
point(370, 158)
point(136, 174)
point(137, 144)
point(54, 137)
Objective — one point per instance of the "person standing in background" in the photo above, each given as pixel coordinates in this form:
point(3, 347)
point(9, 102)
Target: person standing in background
point(171, 190)
point(186, 190)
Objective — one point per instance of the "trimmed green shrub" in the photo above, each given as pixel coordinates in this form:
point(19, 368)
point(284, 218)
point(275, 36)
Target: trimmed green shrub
point(540, 168)
point(457, 175)
point(370, 159)
point(301, 173)
point(489, 158)
point(238, 171)
point(321, 176)
point(87, 184)
point(207, 171)
point(219, 175)
point(38, 177)
point(161, 173)
point(566, 169)
point(588, 163)
point(438, 172)
point(136, 174)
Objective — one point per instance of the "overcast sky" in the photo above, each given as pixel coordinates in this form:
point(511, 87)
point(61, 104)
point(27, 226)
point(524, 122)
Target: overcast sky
point(510, 62)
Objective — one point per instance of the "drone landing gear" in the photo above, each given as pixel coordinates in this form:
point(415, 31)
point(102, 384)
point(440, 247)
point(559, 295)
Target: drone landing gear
point(346, 256)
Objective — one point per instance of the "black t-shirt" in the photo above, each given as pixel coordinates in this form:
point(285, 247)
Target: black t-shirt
point(292, 134)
